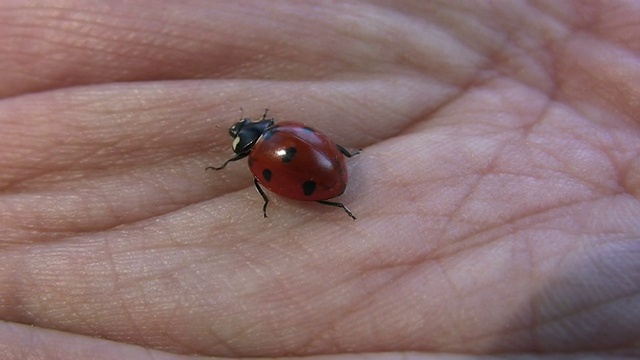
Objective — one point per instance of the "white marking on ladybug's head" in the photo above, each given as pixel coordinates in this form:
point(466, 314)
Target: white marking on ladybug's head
point(236, 141)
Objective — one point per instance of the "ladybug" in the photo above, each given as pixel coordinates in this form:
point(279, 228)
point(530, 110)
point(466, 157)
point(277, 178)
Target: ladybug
point(290, 159)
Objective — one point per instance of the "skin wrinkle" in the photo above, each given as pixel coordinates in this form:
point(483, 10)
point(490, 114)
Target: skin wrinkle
point(601, 79)
point(344, 314)
point(221, 221)
point(43, 169)
point(51, 233)
point(604, 303)
point(559, 322)
point(544, 214)
point(346, 309)
point(629, 187)
point(384, 33)
point(457, 329)
point(365, 300)
point(237, 337)
point(94, 27)
point(619, 163)
point(524, 327)
point(456, 212)
point(458, 37)
point(118, 284)
point(547, 66)
point(413, 262)
point(212, 338)
point(533, 277)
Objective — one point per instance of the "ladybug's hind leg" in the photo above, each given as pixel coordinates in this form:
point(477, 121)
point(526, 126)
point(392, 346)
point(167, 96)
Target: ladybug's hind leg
point(264, 196)
point(346, 152)
point(336, 204)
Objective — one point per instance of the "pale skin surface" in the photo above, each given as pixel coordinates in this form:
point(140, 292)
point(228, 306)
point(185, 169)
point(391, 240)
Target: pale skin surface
point(497, 195)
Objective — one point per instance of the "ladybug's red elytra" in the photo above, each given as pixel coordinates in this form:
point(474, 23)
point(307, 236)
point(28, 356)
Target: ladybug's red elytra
point(291, 159)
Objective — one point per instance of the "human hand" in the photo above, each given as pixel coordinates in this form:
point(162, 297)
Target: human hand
point(497, 194)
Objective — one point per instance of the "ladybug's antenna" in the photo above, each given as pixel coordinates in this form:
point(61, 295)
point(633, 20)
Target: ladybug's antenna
point(241, 113)
point(264, 116)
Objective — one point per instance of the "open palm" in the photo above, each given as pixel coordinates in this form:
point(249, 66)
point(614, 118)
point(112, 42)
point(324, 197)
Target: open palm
point(497, 193)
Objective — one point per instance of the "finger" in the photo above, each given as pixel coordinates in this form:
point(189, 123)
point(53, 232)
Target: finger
point(90, 159)
point(28, 343)
point(49, 45)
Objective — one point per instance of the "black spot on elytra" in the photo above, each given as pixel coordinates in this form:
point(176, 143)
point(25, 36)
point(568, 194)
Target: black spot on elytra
point(266, 174)
point(308, 187)
point(306, 128)
point(289, 153)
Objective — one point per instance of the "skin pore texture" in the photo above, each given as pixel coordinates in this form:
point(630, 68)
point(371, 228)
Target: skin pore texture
point(497, 193)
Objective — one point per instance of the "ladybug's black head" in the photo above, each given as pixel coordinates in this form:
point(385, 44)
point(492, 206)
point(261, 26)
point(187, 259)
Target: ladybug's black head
point(245, 133)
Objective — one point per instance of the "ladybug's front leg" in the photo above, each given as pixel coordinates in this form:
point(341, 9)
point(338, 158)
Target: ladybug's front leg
point(235, 158)
point(264, 196)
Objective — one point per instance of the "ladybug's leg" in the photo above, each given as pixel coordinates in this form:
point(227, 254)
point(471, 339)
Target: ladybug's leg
point(235, 158)
point(346, 152)
point(337, 204)
point(264, 196)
